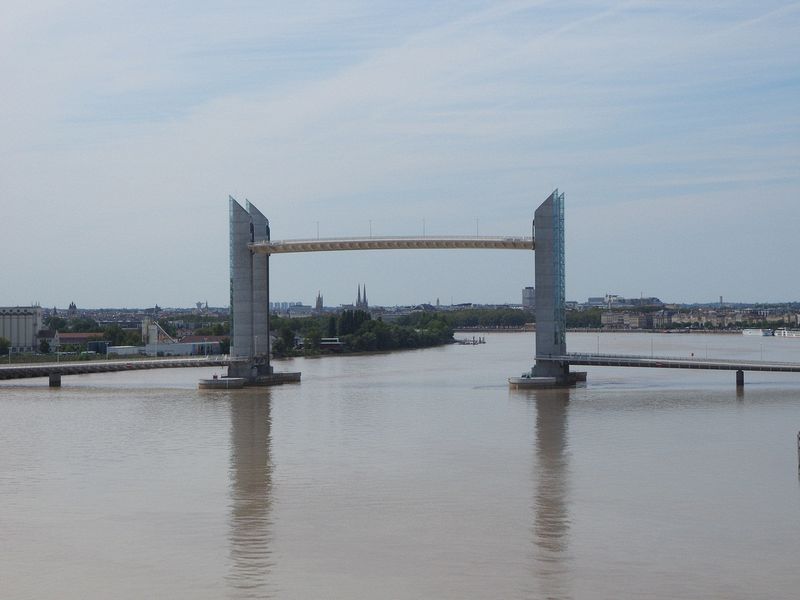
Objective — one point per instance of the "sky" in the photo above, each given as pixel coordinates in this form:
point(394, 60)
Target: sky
point(672, 127)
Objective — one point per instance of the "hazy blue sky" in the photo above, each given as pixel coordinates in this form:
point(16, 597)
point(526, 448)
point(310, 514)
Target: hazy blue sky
point(672, 127)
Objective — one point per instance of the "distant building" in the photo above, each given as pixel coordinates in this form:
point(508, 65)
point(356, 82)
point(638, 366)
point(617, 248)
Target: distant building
point(182, 348)
point(637, 320)
point(318, 304)
point(615, 301)
point(612, 319)
point(125, 350)
point(74, 339)
point(529, 297)
point(283, 307)
point(662, 319)
point(20, 326)
point(299, 310)
point(361, 301)
point(596, 301)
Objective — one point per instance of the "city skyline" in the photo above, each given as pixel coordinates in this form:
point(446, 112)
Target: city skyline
point(671, 128)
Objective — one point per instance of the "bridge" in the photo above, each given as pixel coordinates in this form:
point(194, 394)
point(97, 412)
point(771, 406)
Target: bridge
point(54, 370)
point(251, 247)
point(393, 243)
point(672, 362)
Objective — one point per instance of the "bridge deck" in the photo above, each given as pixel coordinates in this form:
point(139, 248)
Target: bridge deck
point(107, 366)
point(393, 243)
point(671, 362)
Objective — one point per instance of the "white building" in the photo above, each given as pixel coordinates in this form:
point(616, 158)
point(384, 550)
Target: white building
point(19, 325)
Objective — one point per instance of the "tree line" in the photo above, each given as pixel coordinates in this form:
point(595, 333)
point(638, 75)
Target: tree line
point(471, 317)
point(356, 331)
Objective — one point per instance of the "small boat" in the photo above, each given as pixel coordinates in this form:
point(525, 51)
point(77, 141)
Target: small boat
point(761, 332)
point(221, 383)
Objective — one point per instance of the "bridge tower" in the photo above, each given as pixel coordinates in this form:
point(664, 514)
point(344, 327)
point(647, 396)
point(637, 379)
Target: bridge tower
point(261, 348)
point(242, 233)
point(249, 292)
point(551, 320)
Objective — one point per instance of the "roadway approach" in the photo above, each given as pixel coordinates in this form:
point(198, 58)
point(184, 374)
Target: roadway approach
point(672, 362)
point(54, 370)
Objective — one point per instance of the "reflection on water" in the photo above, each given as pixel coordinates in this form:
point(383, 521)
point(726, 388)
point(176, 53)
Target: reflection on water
point(405, 476)
point(551, 515)
point(250, 492)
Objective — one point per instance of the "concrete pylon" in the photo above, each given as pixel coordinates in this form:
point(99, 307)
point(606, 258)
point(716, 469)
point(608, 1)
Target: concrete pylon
point(241, 283)
point(249, 288)
point(551, 326)
point(261, 347)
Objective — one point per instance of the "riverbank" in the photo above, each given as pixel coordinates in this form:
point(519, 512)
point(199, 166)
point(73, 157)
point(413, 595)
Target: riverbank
point(532, 328)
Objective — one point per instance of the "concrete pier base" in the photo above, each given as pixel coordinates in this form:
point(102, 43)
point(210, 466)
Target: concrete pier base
point(55, 380)
point(529, 380)
point(261, 373)
point(276, 378)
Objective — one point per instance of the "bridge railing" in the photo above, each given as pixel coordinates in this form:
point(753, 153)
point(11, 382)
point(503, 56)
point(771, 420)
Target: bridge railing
point(697, 359)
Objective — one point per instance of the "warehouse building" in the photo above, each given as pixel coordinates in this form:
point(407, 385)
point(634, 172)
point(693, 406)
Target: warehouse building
point(20, 326)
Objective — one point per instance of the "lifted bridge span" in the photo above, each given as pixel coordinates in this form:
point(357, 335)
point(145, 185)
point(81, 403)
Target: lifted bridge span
point(392, 243)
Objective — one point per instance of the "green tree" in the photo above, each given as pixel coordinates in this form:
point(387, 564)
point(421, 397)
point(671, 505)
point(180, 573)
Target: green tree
point(44, 346)
point(169, 327)
point(344, 324)
point(584, 318)
point(331, 329)
point(284, 343)
point(132, 338)
point(287, 335)
point(311, 342)
point(115, 335)
point(83, 325)
point(56, 323)
point(278, 348)
point(5, 344)
point(222, 328)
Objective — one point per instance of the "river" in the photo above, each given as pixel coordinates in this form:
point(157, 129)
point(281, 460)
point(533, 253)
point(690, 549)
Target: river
point(415, 474)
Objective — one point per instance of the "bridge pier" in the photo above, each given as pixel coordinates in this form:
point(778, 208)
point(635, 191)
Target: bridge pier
point(551, 320)
point(260, 304)
point(249, 289)
point(739, 378)
point(54, 380)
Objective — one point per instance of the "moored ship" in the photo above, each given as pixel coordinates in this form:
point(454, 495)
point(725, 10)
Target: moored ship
point(762, 332)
